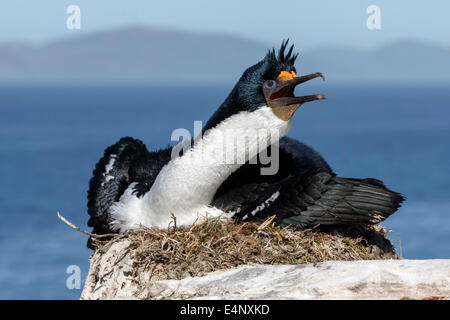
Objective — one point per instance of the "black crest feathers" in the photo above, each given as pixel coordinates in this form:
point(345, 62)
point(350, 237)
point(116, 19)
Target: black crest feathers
point(283, 56)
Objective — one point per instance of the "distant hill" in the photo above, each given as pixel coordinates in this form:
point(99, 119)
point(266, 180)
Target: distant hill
point(400, 61)
point(148, 54)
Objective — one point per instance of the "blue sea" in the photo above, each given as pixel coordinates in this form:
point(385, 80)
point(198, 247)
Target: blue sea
point(51, 136)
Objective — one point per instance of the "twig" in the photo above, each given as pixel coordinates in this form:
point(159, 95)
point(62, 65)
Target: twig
point(174, 220)
point(399, 240)
point(266, 223)
point(93, 235)
point(400, 244)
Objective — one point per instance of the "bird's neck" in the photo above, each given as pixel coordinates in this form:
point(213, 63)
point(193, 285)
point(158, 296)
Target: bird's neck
point(187, 184)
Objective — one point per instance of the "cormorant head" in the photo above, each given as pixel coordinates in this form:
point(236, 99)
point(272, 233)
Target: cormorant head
point(272, 82)
point(269, 83)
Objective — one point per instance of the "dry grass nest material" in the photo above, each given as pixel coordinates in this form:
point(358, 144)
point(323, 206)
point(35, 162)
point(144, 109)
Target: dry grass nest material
point(216, 244)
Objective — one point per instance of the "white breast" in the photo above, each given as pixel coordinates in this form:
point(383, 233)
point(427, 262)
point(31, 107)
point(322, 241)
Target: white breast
point(187, 184)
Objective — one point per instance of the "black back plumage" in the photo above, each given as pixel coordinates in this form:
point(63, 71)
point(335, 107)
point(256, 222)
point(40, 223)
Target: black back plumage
point(309, 192)
point(129, 162)
point(108, 184)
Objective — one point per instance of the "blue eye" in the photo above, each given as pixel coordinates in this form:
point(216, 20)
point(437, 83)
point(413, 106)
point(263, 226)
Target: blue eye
point(270, 84)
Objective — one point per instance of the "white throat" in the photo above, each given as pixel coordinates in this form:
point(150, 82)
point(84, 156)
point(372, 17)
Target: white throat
point(187, 184)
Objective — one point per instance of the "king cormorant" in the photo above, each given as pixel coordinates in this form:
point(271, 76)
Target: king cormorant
point(132, 186)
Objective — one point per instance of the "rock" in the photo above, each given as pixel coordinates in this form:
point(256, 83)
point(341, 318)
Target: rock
point(383, 279)
point(112, 276)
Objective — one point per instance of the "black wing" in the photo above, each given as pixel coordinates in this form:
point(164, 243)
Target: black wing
point(305, 192)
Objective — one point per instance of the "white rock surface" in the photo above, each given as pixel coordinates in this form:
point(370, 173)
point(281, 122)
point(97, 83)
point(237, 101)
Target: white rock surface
point(110, 277)
point(382, 279)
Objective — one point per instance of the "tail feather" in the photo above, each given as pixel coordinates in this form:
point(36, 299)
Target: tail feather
point(110, 179)
point(326, 199)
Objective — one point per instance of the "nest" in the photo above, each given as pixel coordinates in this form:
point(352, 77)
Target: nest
point(215, 244)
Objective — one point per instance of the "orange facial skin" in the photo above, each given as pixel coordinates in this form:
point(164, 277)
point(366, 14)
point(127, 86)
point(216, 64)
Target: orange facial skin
point(285, 76)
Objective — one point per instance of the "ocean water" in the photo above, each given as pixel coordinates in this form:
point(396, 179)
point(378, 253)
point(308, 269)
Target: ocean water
point(52, 135)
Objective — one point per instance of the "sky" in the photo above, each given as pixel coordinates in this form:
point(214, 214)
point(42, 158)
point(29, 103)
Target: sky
point(312, 23)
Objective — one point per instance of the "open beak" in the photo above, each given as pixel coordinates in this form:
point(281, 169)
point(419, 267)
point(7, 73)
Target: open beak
point(282, 99)
point(284, 94)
